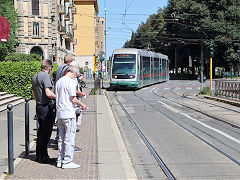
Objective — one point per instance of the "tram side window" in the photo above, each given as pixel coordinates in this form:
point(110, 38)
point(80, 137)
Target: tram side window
point(156, 67)
point(146, 65)
point(164, 66)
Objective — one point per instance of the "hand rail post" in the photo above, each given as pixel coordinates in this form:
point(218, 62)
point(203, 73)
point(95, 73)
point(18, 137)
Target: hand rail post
point(10, 139)
point(27, 126)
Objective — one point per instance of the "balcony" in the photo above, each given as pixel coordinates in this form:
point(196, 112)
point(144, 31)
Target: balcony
point(74, 10)
point(61, 9)
point(70, 5)
point(66, 17)
point(74, 26)
point(75, 41)
point(70, 23)
point(61, 29)
point(69, 37)
point(66, 0)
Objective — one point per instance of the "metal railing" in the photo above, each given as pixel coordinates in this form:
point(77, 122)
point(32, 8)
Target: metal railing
point(62, 9)
point(228, 89)
point(11, 133)
point(74, 10)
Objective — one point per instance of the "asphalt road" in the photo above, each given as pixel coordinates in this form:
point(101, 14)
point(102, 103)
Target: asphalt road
point(185, 154)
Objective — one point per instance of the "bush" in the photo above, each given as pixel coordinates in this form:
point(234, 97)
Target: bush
point(16, 77)
point(206, 90)
point(22, 57)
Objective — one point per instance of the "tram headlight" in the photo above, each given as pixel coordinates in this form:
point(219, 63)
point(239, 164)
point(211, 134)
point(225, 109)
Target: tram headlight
point(114, 76)
point(132, 76)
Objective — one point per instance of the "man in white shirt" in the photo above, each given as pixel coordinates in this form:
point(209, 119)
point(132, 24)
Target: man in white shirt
point(66, 102)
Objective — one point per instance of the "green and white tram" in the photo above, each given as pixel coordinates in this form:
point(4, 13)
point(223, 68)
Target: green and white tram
point(136, 68)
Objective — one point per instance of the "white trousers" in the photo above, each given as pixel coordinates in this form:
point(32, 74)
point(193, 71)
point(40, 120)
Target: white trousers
point(66, 141)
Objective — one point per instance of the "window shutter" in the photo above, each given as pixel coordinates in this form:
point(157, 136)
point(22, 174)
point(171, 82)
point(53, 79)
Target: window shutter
point(35, 7)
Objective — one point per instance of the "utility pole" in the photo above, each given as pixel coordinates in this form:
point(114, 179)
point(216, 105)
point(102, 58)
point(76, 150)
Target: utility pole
point(202, 66)
point(105, 33)
point(211, 59)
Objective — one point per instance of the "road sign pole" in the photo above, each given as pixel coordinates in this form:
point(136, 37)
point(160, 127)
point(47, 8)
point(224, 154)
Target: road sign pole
point(202, 65)
point(211, 75)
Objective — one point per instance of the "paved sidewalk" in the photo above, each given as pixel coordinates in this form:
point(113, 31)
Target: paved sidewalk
point(104, 155)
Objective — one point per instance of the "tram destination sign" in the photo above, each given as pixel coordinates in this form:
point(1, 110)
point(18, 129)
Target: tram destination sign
point(123, 55)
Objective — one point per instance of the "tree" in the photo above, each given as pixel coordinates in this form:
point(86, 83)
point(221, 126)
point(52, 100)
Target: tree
point(188, 24)
point(148, 34)
point(204, 20)
point(8, 11)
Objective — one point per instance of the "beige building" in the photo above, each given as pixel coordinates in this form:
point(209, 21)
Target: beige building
point(37, 27)
point(65, 25)
point(53, 28)
point(40, 30)
point(99, 26)
point(88, 33)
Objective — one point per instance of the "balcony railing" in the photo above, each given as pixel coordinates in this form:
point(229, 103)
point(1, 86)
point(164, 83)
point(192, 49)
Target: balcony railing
point(61, 9)
point(66, 17)
point(75, 41)
point(74, 26)
point(61, 29)
point(70, 5)
point(74, 10)
point(69, 36)
point(66, 0)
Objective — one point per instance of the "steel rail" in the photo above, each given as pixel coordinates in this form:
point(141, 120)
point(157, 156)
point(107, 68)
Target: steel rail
point(199, 111)
point(185, 96)
point(194, 134)
point(163, 166)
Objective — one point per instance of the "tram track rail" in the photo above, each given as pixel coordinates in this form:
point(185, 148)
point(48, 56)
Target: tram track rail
point(197, 110)
point(185, 96)
point(190, 131)
point(160, 162)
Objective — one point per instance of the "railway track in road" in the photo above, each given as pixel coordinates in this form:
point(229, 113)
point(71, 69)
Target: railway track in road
point(160, 162)
point(190, 131)
point(157, 153)
point(184, 95)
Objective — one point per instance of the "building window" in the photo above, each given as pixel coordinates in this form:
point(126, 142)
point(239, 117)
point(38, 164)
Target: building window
point(35, 7)
point(67, 45)
point(35, 29)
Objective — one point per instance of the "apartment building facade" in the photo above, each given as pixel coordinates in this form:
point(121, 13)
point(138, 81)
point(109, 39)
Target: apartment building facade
point(88, 33)
point(53, 28)
point(40, 30)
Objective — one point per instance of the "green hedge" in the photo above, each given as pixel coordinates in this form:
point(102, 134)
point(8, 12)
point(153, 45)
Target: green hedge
point(22, 57)
point(16, 76)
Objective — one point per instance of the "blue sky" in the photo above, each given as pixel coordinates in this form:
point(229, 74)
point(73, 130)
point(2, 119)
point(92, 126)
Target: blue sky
point(120, 26)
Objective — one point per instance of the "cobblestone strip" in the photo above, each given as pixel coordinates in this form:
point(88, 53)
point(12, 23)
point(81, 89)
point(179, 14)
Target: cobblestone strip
point(86, 139)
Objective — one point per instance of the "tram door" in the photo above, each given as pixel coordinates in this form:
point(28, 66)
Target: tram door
point(141, 70)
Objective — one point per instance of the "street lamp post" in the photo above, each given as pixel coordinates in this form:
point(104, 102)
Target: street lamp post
point(105, 33)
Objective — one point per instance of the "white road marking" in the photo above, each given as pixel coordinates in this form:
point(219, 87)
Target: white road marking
point(166, 88)
point(169, 107)
point(203, 124)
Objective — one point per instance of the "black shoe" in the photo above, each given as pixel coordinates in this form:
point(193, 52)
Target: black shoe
point(46, 160)
point(77, 149)
point(77, 130)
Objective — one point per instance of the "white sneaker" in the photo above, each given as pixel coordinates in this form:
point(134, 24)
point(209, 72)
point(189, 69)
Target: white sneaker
point(70, 165)
point(59, 164)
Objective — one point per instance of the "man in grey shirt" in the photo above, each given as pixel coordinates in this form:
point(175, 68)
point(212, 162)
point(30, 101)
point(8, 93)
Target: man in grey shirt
point(42, 86)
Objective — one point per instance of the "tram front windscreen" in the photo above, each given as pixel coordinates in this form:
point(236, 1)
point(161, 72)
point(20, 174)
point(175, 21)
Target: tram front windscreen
point(124, 64)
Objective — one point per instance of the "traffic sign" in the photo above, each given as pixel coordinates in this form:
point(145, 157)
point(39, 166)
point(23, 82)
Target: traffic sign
point(199, 78)
point(4, 29)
